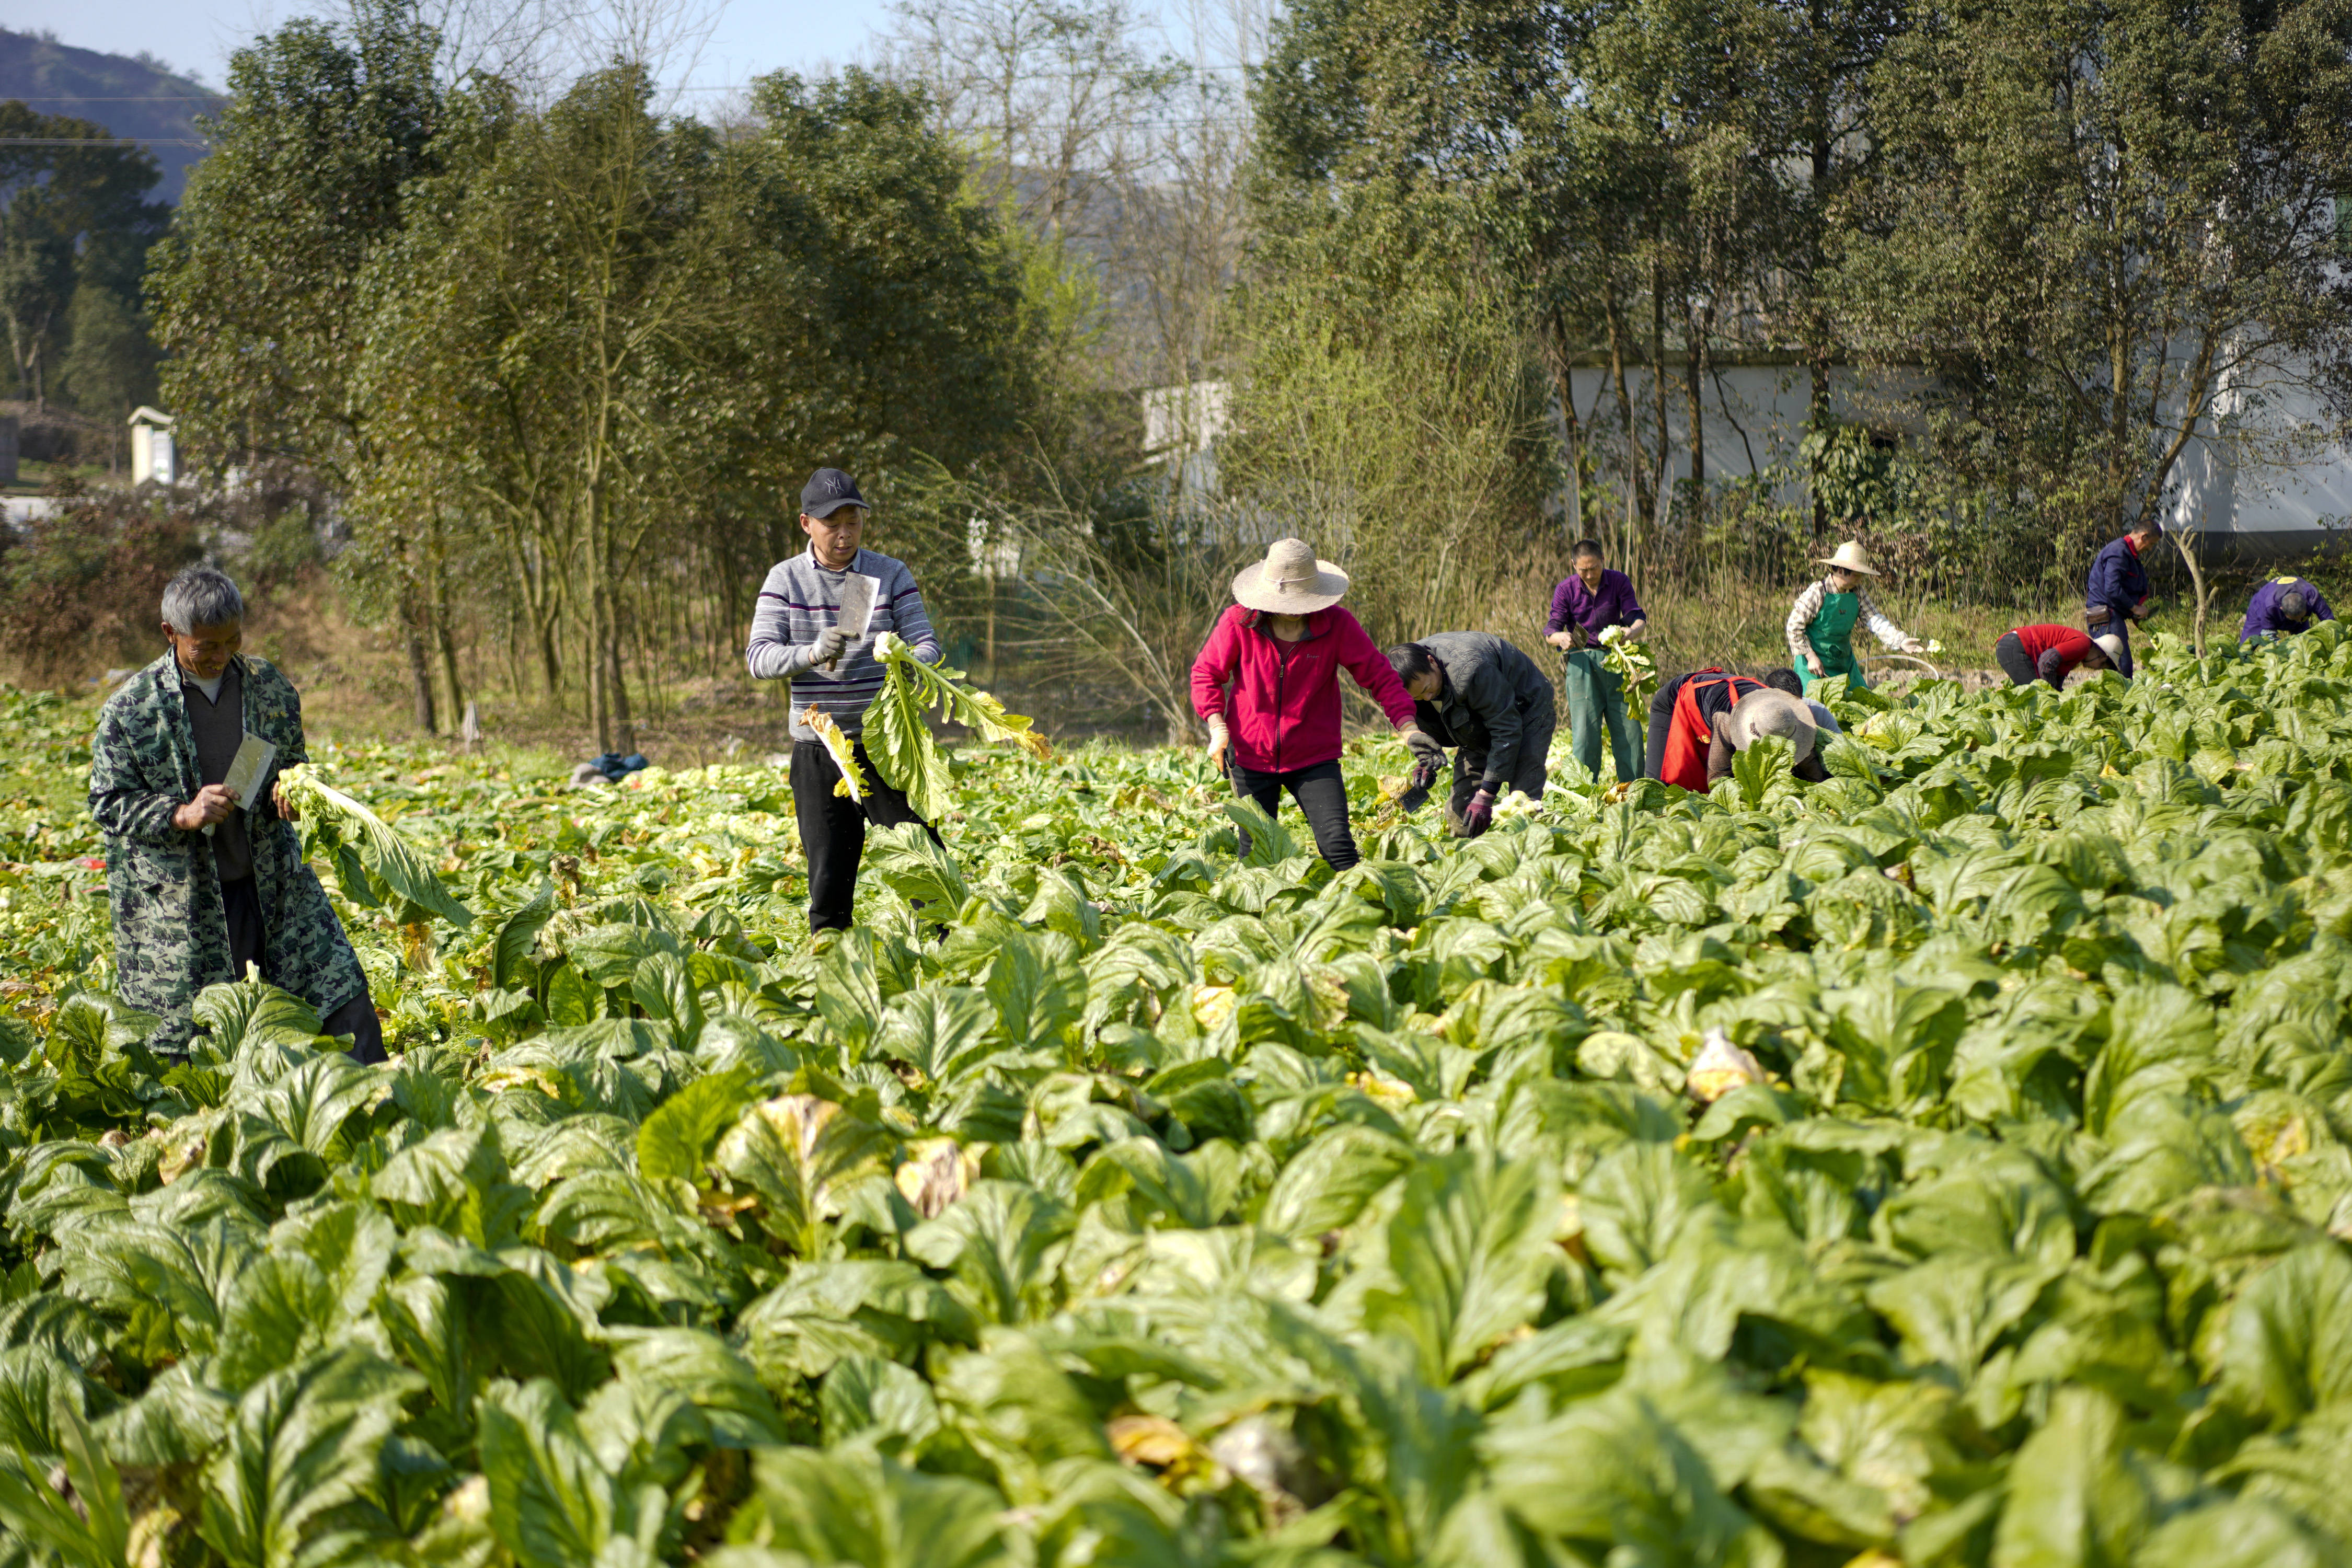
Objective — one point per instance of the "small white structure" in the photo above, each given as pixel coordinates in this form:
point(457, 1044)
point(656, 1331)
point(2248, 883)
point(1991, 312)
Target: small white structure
point(151, 453)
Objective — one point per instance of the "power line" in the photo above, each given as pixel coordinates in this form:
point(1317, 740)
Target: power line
point(100, 142)
point(87, 97)
point(133, 97)
point(971, 80)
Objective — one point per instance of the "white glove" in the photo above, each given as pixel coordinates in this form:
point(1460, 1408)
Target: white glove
point(828, 646)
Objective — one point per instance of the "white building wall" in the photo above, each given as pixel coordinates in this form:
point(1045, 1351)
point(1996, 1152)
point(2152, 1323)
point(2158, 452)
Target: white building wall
point(2298, 502)
point(1753, 418)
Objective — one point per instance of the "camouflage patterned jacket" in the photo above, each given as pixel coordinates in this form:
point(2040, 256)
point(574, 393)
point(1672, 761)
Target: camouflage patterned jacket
point(170, 938)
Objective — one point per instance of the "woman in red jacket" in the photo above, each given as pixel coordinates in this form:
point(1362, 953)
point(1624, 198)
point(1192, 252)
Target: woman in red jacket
point(1267, 684)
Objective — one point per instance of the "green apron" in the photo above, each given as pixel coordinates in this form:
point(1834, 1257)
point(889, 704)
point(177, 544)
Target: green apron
point(1830, 632)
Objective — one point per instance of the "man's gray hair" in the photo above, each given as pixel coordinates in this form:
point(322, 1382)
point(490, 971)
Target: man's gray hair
point(201, 596)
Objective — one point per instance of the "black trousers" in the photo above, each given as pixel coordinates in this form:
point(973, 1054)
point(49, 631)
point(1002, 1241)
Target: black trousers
point(1662, 724)
point(1529, 773)
point(833, 827)
point(1321, 793)
point(248, 943)
point(2010, 654)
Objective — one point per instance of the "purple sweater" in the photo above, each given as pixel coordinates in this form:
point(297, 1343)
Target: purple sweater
point(1614, 606)
point(2262, 612)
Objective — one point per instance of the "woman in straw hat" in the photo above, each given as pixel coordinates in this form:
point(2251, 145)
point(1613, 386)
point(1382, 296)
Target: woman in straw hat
point(1268, 686)
point(1821, 623)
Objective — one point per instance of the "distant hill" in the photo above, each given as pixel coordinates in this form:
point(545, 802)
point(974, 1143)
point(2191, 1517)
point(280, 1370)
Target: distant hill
point(140, 98)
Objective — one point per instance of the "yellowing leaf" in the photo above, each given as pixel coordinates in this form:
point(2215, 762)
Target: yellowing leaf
point(852, 782)
point(938, 1172)
point(1151, 1440)
point(1719, 1067)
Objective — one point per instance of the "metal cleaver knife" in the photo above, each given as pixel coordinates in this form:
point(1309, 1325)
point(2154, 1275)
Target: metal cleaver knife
point(857, 591)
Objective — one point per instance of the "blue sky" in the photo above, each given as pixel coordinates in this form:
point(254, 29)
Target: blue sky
point(197, 36)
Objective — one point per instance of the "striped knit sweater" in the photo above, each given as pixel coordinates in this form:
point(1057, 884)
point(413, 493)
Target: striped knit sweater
point(799, 600)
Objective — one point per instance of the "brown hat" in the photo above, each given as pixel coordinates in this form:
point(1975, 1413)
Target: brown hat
point(1775, 713)
point(1851, 556)
point(1289, 581)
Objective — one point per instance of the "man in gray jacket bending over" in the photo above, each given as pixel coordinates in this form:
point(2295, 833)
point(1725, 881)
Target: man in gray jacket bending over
point(795, 636)
point(1481, 695)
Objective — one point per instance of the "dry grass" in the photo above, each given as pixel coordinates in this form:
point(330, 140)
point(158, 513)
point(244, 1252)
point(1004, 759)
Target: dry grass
point(355, 679)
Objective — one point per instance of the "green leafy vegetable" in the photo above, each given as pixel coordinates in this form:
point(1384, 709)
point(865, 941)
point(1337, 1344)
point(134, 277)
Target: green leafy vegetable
point(898, 719)
point(338, 823)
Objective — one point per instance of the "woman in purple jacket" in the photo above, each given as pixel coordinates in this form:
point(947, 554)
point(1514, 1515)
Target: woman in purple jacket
point(1582, 607)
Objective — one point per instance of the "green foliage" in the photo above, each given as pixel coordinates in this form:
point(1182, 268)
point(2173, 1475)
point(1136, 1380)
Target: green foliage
point(2062, 218)
point(1943, 1163)
point(897, 722)
point(254, 289)
point(75, 228)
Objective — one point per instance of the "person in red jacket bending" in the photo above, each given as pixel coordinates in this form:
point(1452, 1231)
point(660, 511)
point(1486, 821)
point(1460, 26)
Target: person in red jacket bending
point(2028, 654)
point(1268, 685)
point(1700, 720)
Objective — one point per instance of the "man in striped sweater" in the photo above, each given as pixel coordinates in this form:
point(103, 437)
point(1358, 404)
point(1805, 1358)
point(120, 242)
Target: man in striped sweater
point(795, 638)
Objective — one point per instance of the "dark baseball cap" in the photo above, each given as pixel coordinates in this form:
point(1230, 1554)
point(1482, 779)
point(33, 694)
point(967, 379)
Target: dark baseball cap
point(827, 491)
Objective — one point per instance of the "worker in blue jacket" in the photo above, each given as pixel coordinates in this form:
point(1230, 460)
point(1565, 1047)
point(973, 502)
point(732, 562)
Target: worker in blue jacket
point(2117, 593)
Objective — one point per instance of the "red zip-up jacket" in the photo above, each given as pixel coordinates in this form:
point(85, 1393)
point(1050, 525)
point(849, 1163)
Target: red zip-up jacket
point(1282, 708)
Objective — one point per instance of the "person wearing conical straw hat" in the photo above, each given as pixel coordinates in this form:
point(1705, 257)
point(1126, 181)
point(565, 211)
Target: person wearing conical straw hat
point(1821, 622)
point(1268, 686)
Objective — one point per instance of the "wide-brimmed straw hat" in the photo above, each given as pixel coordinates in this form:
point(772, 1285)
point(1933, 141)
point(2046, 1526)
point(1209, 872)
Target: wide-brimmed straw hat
point(1851, 556)
point(1289, 581)
point(1774, 713)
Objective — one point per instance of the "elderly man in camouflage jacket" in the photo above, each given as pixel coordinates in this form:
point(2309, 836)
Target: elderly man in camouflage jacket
point(202, 883)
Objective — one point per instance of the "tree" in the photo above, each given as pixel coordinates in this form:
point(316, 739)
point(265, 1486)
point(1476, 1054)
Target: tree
point(1391, 412)
point(1616, 163)
point(605, 344)
point(928, 347)
point(2092, 224)
point(68, 214)
point(110, 361)
point(254, 289)
point(524, 336)
point(1824, 110)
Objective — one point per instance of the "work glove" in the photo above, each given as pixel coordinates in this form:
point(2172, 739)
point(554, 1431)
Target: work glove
point(1423, 748)
point(1416, 786)
point(828, 647)
point(1479, 815)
